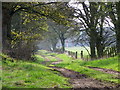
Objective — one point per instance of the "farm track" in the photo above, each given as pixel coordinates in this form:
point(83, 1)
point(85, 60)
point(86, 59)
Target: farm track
point(81, 81)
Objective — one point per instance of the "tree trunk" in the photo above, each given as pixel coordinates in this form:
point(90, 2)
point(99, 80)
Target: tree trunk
point(92, 42)
point(118, 29)
point(99, 48)
point(92, 48)
point(63, 44)
point(6, 30)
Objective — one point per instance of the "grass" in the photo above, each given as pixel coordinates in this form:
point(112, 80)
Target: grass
point(80, 66)
point(79, 49)
point(21, 74)
point(40, 59)
point(109, 63)
point(51, 58)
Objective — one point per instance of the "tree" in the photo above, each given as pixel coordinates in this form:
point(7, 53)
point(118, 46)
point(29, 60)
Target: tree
point(62, 22)
point(89, 19)
point(9, 9)
point(34, 9)
point(92, 16)
point(115, 16)
point(61, 31)
point(51, 38)
point(25, 32)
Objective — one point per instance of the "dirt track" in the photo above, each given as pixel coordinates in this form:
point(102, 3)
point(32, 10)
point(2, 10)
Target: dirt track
point(78, 80)
point(82, 81)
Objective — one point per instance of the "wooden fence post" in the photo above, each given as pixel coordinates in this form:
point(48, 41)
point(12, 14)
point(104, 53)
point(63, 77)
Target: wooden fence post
point(81, 54)
point(113, 51)
point(71, 54)
point(76, 55)
point(68, 52)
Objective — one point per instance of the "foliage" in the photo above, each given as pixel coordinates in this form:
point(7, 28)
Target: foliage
point(27, 24)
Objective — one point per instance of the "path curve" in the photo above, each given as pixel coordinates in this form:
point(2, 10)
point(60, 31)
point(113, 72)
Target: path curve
point(82, 81)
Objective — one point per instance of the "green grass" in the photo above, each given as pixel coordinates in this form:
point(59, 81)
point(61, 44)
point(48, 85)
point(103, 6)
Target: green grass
point(21, 74)
point(80, 66)
point(109, 63)
point(90, 72)
point(39, 59)
point(64, 57)
point(51, 58)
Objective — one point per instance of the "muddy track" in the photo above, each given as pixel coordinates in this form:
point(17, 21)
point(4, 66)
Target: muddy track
point(82, 81)
point(110, 71)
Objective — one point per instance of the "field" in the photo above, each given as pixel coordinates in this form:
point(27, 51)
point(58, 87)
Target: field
point(78, 49)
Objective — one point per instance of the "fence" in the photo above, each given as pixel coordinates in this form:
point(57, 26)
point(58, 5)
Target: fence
point(108, 52)
point(75, 54)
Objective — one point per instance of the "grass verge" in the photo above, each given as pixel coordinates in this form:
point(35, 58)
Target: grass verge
point(21, 74)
